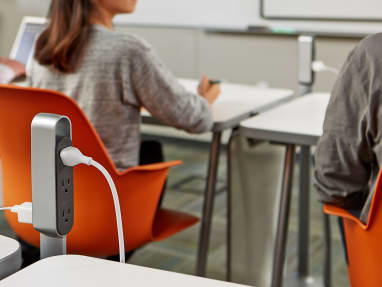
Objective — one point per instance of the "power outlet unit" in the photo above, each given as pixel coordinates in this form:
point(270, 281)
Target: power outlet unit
point(306, 56)
point(52, 181)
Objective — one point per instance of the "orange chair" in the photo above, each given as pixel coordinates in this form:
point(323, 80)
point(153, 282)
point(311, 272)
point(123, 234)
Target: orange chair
point(363, 241)
point(94, 232)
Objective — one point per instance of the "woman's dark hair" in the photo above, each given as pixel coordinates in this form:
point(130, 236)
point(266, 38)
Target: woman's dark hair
point(63, 43)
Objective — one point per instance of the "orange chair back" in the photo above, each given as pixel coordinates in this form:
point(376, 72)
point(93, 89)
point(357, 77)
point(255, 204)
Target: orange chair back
point(363, 241)
point(94, 230)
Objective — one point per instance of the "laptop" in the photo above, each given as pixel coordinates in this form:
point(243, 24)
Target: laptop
point(23, 46)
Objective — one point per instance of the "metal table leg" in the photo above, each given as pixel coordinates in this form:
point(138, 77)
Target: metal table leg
point(209, 197)
point(328, 252)
point(229, 210)
point(304, 212)
point(282, 227)
point(303, 279)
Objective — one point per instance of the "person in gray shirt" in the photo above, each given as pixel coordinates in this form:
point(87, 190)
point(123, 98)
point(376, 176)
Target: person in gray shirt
point(349, 153)
point(112, 75)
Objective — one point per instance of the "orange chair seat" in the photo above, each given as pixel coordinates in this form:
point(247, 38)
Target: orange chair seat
point(94, 231)
point(363, 241)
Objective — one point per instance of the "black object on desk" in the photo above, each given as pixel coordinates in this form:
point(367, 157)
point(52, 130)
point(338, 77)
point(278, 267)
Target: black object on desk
point(259, 28)
point(214, 82)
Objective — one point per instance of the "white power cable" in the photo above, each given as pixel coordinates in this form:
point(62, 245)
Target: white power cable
point(117, 209)
point(332, 70)
point(24, 212)
point(5, 208)
point(71, 156)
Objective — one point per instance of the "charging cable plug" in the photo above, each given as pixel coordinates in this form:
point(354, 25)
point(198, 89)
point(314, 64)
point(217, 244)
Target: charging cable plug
point(319, 66)
point(24, 212)
point(72, 156)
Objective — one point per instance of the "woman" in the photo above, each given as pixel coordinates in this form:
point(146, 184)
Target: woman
point(112, 75)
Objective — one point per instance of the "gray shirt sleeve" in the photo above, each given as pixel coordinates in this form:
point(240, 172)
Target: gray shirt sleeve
point(160, 93)
point(344, 154)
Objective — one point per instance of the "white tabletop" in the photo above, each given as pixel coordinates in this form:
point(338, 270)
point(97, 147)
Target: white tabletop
point(237, 102)
point(74, 270)
point(8, 246)
point(298, 122)
point(10, 256)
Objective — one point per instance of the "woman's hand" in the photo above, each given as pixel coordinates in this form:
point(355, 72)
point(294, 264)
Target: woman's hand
point(208, 91)
point(17, 67)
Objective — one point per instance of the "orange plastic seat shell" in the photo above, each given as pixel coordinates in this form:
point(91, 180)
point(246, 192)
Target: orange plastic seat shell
point(94, 231)
point(364, 242)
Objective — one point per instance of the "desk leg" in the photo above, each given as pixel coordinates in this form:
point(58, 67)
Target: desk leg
point(328, 252)
point(304, 213)
point(208, 206)
point(229, 209)
point(282, 226)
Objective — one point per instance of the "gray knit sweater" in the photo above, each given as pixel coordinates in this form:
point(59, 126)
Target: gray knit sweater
point(119, 74)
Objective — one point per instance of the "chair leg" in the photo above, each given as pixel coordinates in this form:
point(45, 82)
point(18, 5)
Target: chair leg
point(282, 226)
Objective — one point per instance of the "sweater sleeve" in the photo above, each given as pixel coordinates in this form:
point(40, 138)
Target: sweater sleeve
point(164, 97)
point(344, 155)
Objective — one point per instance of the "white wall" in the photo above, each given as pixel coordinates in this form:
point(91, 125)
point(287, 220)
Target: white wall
point(9, 20)
point(11, 13)
point(196, 13)
point(244, 13)
point(241, 57)
point(234, 57)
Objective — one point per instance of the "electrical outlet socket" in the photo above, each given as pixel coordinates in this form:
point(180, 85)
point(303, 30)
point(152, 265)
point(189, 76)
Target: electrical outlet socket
point(64, 189)
point(306, 58)
point(52, 181)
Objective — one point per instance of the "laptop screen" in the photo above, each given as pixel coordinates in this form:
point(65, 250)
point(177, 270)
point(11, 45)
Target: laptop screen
point(23, 47)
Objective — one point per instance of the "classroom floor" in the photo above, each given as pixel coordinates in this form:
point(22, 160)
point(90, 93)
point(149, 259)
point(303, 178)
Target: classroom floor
point(185, 188)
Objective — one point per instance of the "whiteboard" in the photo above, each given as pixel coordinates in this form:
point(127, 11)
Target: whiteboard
point(356, 10)
point(193, 13)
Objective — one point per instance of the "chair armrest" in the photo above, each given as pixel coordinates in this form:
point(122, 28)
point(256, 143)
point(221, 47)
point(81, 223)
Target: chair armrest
point(152, 167)
point(340, 212)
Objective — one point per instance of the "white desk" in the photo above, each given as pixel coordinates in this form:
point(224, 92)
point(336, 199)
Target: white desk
point(10, 256)
point(236, 103)
point(298, 122)
point(74, 270)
